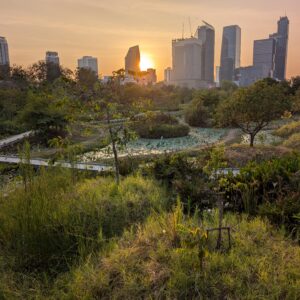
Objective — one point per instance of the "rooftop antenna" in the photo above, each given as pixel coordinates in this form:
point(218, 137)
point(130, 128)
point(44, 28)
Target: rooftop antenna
point(190, 26)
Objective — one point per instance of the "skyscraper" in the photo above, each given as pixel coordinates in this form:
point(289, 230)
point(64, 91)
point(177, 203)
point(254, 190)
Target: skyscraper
point(281, 37)
point(206, 34)
point(230, 52)
point(88, 62)
point(52, 57)
point(187, 63)
point(132, 60)
point(4, 59)
point(53, 67)
point(264, 56)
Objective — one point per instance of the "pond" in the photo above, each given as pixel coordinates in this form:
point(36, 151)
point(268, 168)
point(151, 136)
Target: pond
point(197, 137)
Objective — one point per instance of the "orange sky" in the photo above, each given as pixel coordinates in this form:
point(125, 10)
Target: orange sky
point(106, 29)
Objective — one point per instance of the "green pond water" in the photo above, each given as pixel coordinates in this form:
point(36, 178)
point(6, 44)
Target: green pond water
point(197, 137)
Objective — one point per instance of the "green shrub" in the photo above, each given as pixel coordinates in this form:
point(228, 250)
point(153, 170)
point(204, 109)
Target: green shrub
point(157, 125)
point(288, 129)
point(55, 221)
point(196, 114)
point(161, 261)
point(271, 189)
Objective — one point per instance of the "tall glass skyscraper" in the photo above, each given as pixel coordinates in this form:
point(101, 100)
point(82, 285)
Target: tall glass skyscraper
point(4, 58)
point(206, 34)
point(132, 60)
point(281, 37)
point(230, 52)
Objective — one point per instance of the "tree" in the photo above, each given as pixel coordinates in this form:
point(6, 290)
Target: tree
point(251, 109)
point(196, 114)
point(109, 105)
point(44, 114)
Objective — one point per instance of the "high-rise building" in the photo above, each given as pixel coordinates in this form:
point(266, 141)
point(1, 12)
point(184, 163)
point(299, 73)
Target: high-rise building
point(4, 56)
point(187, 63)
point(167, 75)
point(251, 74)
point(52, 57)
point(281, 37)
point(264, 56)
point(4, 59)
point(218, 83)
point(230, 52)
point(132, 60)
point(206, 34)
point(88, 62)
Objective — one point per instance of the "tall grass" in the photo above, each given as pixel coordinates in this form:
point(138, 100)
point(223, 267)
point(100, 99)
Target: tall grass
point(161, 262)
point(288, 129)
point(55, 221)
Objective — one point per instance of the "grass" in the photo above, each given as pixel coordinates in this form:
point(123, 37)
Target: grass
point(57, 221)
point(161, 261)
point(287, 130)
point(293, 141)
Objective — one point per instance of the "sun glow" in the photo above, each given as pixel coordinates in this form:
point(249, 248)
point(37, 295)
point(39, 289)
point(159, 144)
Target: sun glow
point(146, 62)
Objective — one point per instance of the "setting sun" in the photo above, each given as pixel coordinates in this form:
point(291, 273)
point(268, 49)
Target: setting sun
point(146, 62)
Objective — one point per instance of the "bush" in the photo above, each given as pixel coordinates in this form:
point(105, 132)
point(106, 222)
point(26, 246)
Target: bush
point(55, 222)
point(157, 125)
point(196, 114)
point(270, 189)
point(288, 129)
point(162, 261)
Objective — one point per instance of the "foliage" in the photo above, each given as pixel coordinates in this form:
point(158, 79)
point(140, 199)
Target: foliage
point(251, 109)
point(155, 125)
point(57, 220)
point(161, 261)
point(196, 114)
point(185, 178)
point(288, 129)
point(45, 114)
point(271, 189)
point(293, 141)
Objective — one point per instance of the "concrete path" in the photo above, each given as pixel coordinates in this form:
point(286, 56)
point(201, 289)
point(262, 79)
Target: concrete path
point(15, 138)
point(46, 163)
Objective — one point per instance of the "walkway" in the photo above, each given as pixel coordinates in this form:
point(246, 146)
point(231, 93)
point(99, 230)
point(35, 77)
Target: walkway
point(15, 138)
point(46, 163)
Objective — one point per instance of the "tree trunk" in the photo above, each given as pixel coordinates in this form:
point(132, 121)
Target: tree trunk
point(117, 167)
point(252, 136)
point(115, 151)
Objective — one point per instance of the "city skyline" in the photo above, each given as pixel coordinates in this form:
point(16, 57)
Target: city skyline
point(56, 25)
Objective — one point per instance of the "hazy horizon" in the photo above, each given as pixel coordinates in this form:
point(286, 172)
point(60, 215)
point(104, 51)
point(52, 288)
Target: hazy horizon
point(75, 28)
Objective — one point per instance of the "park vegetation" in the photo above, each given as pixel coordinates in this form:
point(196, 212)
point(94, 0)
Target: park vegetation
point(173, 226)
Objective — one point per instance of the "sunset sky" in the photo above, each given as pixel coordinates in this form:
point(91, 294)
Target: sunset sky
point(106, 29)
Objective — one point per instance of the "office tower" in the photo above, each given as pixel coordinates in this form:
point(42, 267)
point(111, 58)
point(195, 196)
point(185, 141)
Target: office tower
point(132, 61)
point(230, 52)
point(281, 38)
point(52, 57)
point(206, 34)
point(187, 63)
point(264, 56)
point(53, 67)
point(251, 74)
point(4, 59)
point(218, 83)
point(88, 62)
point(167, 75)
